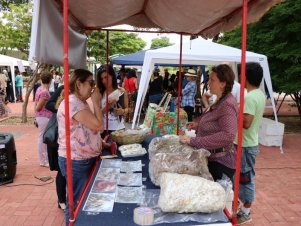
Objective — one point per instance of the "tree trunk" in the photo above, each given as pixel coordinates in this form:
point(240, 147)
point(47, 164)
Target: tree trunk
point(297, 98)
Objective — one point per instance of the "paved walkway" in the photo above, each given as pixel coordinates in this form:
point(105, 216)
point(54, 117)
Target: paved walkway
point(278, 180)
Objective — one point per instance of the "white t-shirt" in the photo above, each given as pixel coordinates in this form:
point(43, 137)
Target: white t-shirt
point(115, 122)
point(236, 91)
point(51, 87)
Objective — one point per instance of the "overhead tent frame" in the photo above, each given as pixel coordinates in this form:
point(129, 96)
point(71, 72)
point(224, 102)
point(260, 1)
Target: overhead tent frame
point(258, 8)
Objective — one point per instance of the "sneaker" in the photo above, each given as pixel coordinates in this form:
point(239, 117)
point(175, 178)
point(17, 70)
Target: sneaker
point(45, 165)
point(62, 205)
point(243, 218)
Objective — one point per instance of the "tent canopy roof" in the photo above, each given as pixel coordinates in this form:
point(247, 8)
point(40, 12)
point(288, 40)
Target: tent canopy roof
point(130, 59)
point(204, 50)
point(8, 60)
point(206, 18)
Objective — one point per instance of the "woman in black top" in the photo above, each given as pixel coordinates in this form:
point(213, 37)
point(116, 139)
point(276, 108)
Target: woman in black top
point(155, 91)
point(60, 181)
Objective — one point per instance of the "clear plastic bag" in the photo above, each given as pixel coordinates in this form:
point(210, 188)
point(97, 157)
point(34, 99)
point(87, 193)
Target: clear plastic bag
point(131, 166)
point(167, 154)
point(151, 197)
point(166, 144)
point(182, 193)
point(129, 194)
point(130, 179)
point(226, 183)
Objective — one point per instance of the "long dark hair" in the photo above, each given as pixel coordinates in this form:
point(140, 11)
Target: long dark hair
point(111, 73)
point(131, 74)
point(225, 74)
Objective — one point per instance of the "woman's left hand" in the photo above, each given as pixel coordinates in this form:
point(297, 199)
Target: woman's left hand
point(119, 111)
point(184, 139)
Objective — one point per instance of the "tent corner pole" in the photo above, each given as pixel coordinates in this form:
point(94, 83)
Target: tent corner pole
point(179, 84)
point(67, 116)
point(241, 108)
point(107, 82)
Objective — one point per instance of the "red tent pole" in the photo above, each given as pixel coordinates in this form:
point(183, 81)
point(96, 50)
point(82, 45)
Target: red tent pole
point(67, 119)
point(241, 107)
point(179, 84)
point(107, 82)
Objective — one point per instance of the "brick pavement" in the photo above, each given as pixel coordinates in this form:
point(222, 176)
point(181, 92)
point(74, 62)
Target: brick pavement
point(278, 180)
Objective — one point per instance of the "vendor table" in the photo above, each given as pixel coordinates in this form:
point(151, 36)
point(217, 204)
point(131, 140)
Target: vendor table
point(122, 214)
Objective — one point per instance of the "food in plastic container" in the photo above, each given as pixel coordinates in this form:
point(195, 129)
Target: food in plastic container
point(132, 150)
point(100, 202)
point(130, 179)
point(129, 147)
point(100, 186)
point(190, 133)
point(144, 216)
point(131, 166)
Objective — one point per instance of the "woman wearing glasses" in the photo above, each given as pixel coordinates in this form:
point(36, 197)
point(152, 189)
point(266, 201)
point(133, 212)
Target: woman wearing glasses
point(85, 129)
point(117, 102)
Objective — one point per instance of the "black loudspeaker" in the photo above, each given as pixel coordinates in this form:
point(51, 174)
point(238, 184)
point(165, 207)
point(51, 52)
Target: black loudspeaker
point(8, 158)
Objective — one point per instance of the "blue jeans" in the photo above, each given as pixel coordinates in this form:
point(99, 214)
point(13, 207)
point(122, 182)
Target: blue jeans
point(19, 90)
point(247, 171)
point(81, 170)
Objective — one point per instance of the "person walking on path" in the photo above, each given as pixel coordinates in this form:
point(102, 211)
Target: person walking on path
point(42, 115)
point(254, 105)
point(19, 86)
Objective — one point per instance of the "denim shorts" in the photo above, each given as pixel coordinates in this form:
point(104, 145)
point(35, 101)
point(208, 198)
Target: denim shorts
point(247, 170)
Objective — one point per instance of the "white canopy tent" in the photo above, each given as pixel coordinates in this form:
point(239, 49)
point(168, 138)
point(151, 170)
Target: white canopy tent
point(196, 52)
point(12, 63)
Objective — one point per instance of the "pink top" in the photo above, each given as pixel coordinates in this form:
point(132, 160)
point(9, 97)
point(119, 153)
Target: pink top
point(129, 84)
point(84, 143)
point(217, 128)
point(42, 93)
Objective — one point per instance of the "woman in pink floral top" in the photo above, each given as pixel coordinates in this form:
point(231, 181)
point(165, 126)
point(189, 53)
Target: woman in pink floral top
point(42, 115)
point(85, 129)
point(216, 128)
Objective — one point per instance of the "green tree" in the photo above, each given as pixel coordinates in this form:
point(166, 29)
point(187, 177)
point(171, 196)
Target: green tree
point(119, 43)
point(160, 42)
point(15, 24)
point(277, 35)
point(4, 4)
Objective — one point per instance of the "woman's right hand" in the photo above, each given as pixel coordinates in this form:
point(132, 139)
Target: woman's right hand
point(191, 125)
point(96, 96)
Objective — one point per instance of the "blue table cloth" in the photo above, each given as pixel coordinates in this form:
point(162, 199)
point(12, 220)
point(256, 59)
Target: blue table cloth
point(122, 214)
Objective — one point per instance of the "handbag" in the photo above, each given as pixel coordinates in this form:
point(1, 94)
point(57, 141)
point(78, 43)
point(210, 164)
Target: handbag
point(50, 135)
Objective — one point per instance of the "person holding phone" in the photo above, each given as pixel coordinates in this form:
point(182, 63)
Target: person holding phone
point(117, 102)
